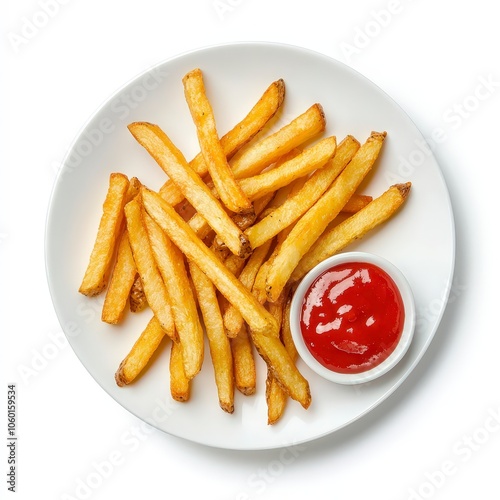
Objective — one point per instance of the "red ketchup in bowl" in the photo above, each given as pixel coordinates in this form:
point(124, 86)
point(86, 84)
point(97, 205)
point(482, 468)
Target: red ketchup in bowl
point(352, 317)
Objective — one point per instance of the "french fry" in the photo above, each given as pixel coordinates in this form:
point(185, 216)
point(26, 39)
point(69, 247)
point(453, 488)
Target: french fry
point(276, 399)
point(213, 153)
point(310, 226)
point(199, 225)
point(259, 284)
point(133, 189)
point(280, 196)
point(354, 227)
point(302, 200)
point(245, 376)
point(240, 134)
point(121, 282)
point(286, 332)
point(276, 402)
point(356, 203)
point(304, 163)
point(172, 161)
point(268, 150)
point(154, 288)
point(170, 262)
point(180, 387)
point(275, 395)
point(137, 298)
point(219, 344)
point(276, 356)
point(183, 236)
point(137, 359)
point(282, 367)
point(97, 273)
point(124, 271)
point(234, 264)
point(233, 320)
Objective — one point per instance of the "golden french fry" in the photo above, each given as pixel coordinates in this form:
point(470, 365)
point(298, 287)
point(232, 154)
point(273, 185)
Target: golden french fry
point(170, 262)
point(354, 227)
point(276, 309)
point(219, 344)
point(141, 352)
point(121, 282)
point(234, 264)
point(310, 226)
point(268, 150)
point(137, 298)
point(356, 203)
point(275, 395)
point(213, 153)
point(240, 134)
point(276, 398)
point(172, 161)
point(245, 377)
point(280, 363)
point(233, 320)
point(304, 198)
point(259, 284)
point(286, 332)
point(282, 367)
point(183, 236)
point(97, 273)
point(199, 225)
point(133, 189)
point(123, 269)
point(154, 288)
point(281, 195)
point(180, 387)
point(304, 163)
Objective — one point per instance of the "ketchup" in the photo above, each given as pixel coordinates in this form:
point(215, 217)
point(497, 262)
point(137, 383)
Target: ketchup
point(352, 317)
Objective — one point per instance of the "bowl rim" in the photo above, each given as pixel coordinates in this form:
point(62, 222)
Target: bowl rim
point(408, 328)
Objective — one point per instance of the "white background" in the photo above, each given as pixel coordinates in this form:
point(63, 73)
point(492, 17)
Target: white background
point(437, 436)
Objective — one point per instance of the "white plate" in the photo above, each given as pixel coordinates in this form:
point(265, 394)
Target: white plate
point(419, 239)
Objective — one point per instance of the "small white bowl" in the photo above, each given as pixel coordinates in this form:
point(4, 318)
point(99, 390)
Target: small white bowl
point(408, 327)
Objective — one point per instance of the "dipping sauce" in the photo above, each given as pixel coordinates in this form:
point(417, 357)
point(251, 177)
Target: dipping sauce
point(352, 317)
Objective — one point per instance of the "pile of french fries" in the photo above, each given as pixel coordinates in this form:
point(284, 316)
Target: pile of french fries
point(217, 251)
